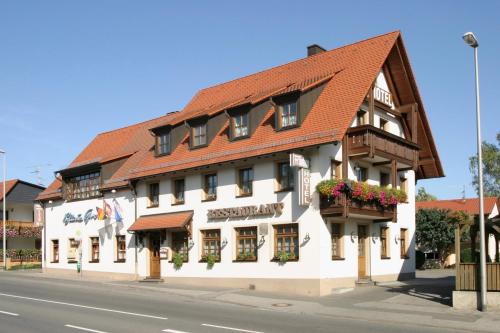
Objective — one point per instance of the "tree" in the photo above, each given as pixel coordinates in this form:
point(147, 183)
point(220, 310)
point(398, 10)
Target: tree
point(435, 231)
point(491, 169)
point(422, 195)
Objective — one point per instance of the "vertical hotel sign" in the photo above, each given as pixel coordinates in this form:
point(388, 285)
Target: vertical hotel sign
point(39, 216)
point(304, 173)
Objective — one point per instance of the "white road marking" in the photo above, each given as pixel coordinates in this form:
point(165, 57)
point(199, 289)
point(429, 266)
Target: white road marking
point(9, 313)
point(173, 331)
point(230, 328)
point(84, 306)
point(84, 329)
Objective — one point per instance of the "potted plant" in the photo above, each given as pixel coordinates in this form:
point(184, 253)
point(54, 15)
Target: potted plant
point(210, 259)
point(178, 260)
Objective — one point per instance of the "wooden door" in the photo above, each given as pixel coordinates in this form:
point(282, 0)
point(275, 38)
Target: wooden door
point(362, 251)
point(154, 255)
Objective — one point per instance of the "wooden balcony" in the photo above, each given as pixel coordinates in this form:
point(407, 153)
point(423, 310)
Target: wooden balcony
point(370, 142)
point(345, 207)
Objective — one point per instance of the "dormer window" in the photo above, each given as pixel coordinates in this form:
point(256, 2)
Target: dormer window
point(239, 125)
point(199, 135)
point(83, 186)
point(288, 115)
point(163, 144)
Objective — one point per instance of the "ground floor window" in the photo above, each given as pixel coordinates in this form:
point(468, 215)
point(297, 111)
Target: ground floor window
point(55, 250)
point(211, 243)
point(286, 241)
point(337, 241)
point(384, 243)
point(121, 248)
point(72, 250)
point(403, 243)
point(180, 244)
point(246, 244)
point(94, 249)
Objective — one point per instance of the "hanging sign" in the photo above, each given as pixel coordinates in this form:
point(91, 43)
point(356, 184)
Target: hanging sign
point(304, 187)
point(39, 215)
point(383, 96)
point(297, 160)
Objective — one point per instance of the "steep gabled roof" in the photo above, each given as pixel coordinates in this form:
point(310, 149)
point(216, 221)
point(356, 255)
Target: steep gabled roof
point(12, 183)
point(469, 206)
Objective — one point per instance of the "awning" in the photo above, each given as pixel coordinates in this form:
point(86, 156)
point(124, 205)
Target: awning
point(162, 221)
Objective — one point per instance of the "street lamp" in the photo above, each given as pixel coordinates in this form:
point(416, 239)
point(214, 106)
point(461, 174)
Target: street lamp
point(471, 40)
point(3, 213)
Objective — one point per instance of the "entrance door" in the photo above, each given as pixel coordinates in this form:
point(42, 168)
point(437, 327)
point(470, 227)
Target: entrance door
point(154, 255)
point(362, 251)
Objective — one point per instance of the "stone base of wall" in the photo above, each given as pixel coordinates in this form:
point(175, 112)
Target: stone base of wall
point(89, 275)
point(470, 300)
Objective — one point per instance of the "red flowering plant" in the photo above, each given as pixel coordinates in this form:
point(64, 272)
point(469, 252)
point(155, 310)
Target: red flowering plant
point(333, 187)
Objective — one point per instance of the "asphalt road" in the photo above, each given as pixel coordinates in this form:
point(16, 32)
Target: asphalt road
point(44, 305)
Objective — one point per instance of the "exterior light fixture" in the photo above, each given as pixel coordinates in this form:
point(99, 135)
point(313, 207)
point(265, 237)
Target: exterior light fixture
point(470, 39)
point(262, 240)
point(307, 238)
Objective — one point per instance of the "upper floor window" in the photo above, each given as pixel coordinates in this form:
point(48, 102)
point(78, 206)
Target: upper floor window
point(361, 174)
point(383, 124)
point(239, 125)
point(245, 180)
point(285, 177)
point(199, 135)
point(163, 144)
point(403, 184)
point(335, 169)
point(384, 179)
point(83, 186)
point(179, 191)
point(154, 195)
point(361, 118)
point(288, 114)
point(210, 187)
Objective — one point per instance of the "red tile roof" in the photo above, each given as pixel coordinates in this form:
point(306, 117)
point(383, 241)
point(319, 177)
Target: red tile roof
point(346, 72)
point(469, 206)
point(162, 221)
point(9, 185)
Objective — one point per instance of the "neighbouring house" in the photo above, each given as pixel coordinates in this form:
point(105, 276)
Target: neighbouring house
point(296, 179)
point(21, 232)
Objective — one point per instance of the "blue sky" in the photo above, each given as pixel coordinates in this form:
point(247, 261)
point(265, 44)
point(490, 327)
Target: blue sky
point(69, 70)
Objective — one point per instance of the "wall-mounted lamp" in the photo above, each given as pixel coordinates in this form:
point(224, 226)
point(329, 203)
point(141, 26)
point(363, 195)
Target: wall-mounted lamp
point(307, 238)
point(190, 243)
point(353, 236)
point(224, 242)
point(396, 239)
point(113, 191)
point(262, 240)
point(374, 238)
point(50, 201)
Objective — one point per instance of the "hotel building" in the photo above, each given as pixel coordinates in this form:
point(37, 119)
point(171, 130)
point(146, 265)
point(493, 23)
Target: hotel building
point(224, 192)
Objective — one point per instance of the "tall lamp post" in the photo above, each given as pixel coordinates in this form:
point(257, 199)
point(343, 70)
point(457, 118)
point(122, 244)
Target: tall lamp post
point(471, 40)
point(3, 212)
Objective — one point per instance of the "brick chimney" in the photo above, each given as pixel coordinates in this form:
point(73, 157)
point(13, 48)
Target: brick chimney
point(314, 49)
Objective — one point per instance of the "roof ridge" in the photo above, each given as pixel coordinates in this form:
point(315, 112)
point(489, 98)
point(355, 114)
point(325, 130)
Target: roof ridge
point(139, 123)
point(293, 61)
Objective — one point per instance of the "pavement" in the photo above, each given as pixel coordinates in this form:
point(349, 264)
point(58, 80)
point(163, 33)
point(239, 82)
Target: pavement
point(48, 303)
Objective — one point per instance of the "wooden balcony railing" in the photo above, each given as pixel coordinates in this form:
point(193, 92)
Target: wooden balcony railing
point(367, 140)
point(343, 206)
point(467, 277)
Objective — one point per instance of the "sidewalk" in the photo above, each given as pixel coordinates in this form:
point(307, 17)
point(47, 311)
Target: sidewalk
point(424, 301)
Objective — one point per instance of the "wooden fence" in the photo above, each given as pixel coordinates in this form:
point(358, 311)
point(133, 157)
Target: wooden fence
point(467, 277)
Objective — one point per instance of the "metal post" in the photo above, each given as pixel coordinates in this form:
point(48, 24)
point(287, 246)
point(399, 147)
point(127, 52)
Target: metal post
point(4, 199)
point(482, 241)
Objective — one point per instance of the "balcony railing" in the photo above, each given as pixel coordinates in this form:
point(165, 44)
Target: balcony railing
point(371, 141)
point(345, 207)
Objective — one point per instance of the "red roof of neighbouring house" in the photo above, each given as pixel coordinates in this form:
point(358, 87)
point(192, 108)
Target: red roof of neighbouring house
point(9, 185)
point(469, 206)
point(346, 73)
point(162, 221)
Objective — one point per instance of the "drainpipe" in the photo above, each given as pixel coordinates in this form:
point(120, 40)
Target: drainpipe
point(133, 190)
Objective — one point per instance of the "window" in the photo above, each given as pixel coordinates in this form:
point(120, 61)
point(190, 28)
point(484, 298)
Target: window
point(337, 241)
point(55, 251)
point(286, 240)
point(383, 124)
point(384, 243)
point(285, 177)
point(336, 169)
point(210, 187)
point(178, 191)
point(361, 174)
point(72, 250)
point(199, 135)
point(121, 248)
point(288, 115)
point(163, 144)
point(245, 180)
point(384, 179)
point(83, 187)
point(403, 243)
point(211, 243)
point(403, 184)
point(154, 195)
point(240, 125)
point(361, 118)
point(180, 244)
point(94, 243)
point(246, 244)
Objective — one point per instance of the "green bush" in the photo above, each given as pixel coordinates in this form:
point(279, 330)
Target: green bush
point(178, 260)
point(466, 256)
point(419, 259)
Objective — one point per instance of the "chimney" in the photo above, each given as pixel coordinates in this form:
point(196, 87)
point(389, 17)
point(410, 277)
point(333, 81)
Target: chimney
point(314, 49)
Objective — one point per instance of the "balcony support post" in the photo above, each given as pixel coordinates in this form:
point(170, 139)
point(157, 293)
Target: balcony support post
point(394, 173)
point(345, 157)
point(371, 106)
